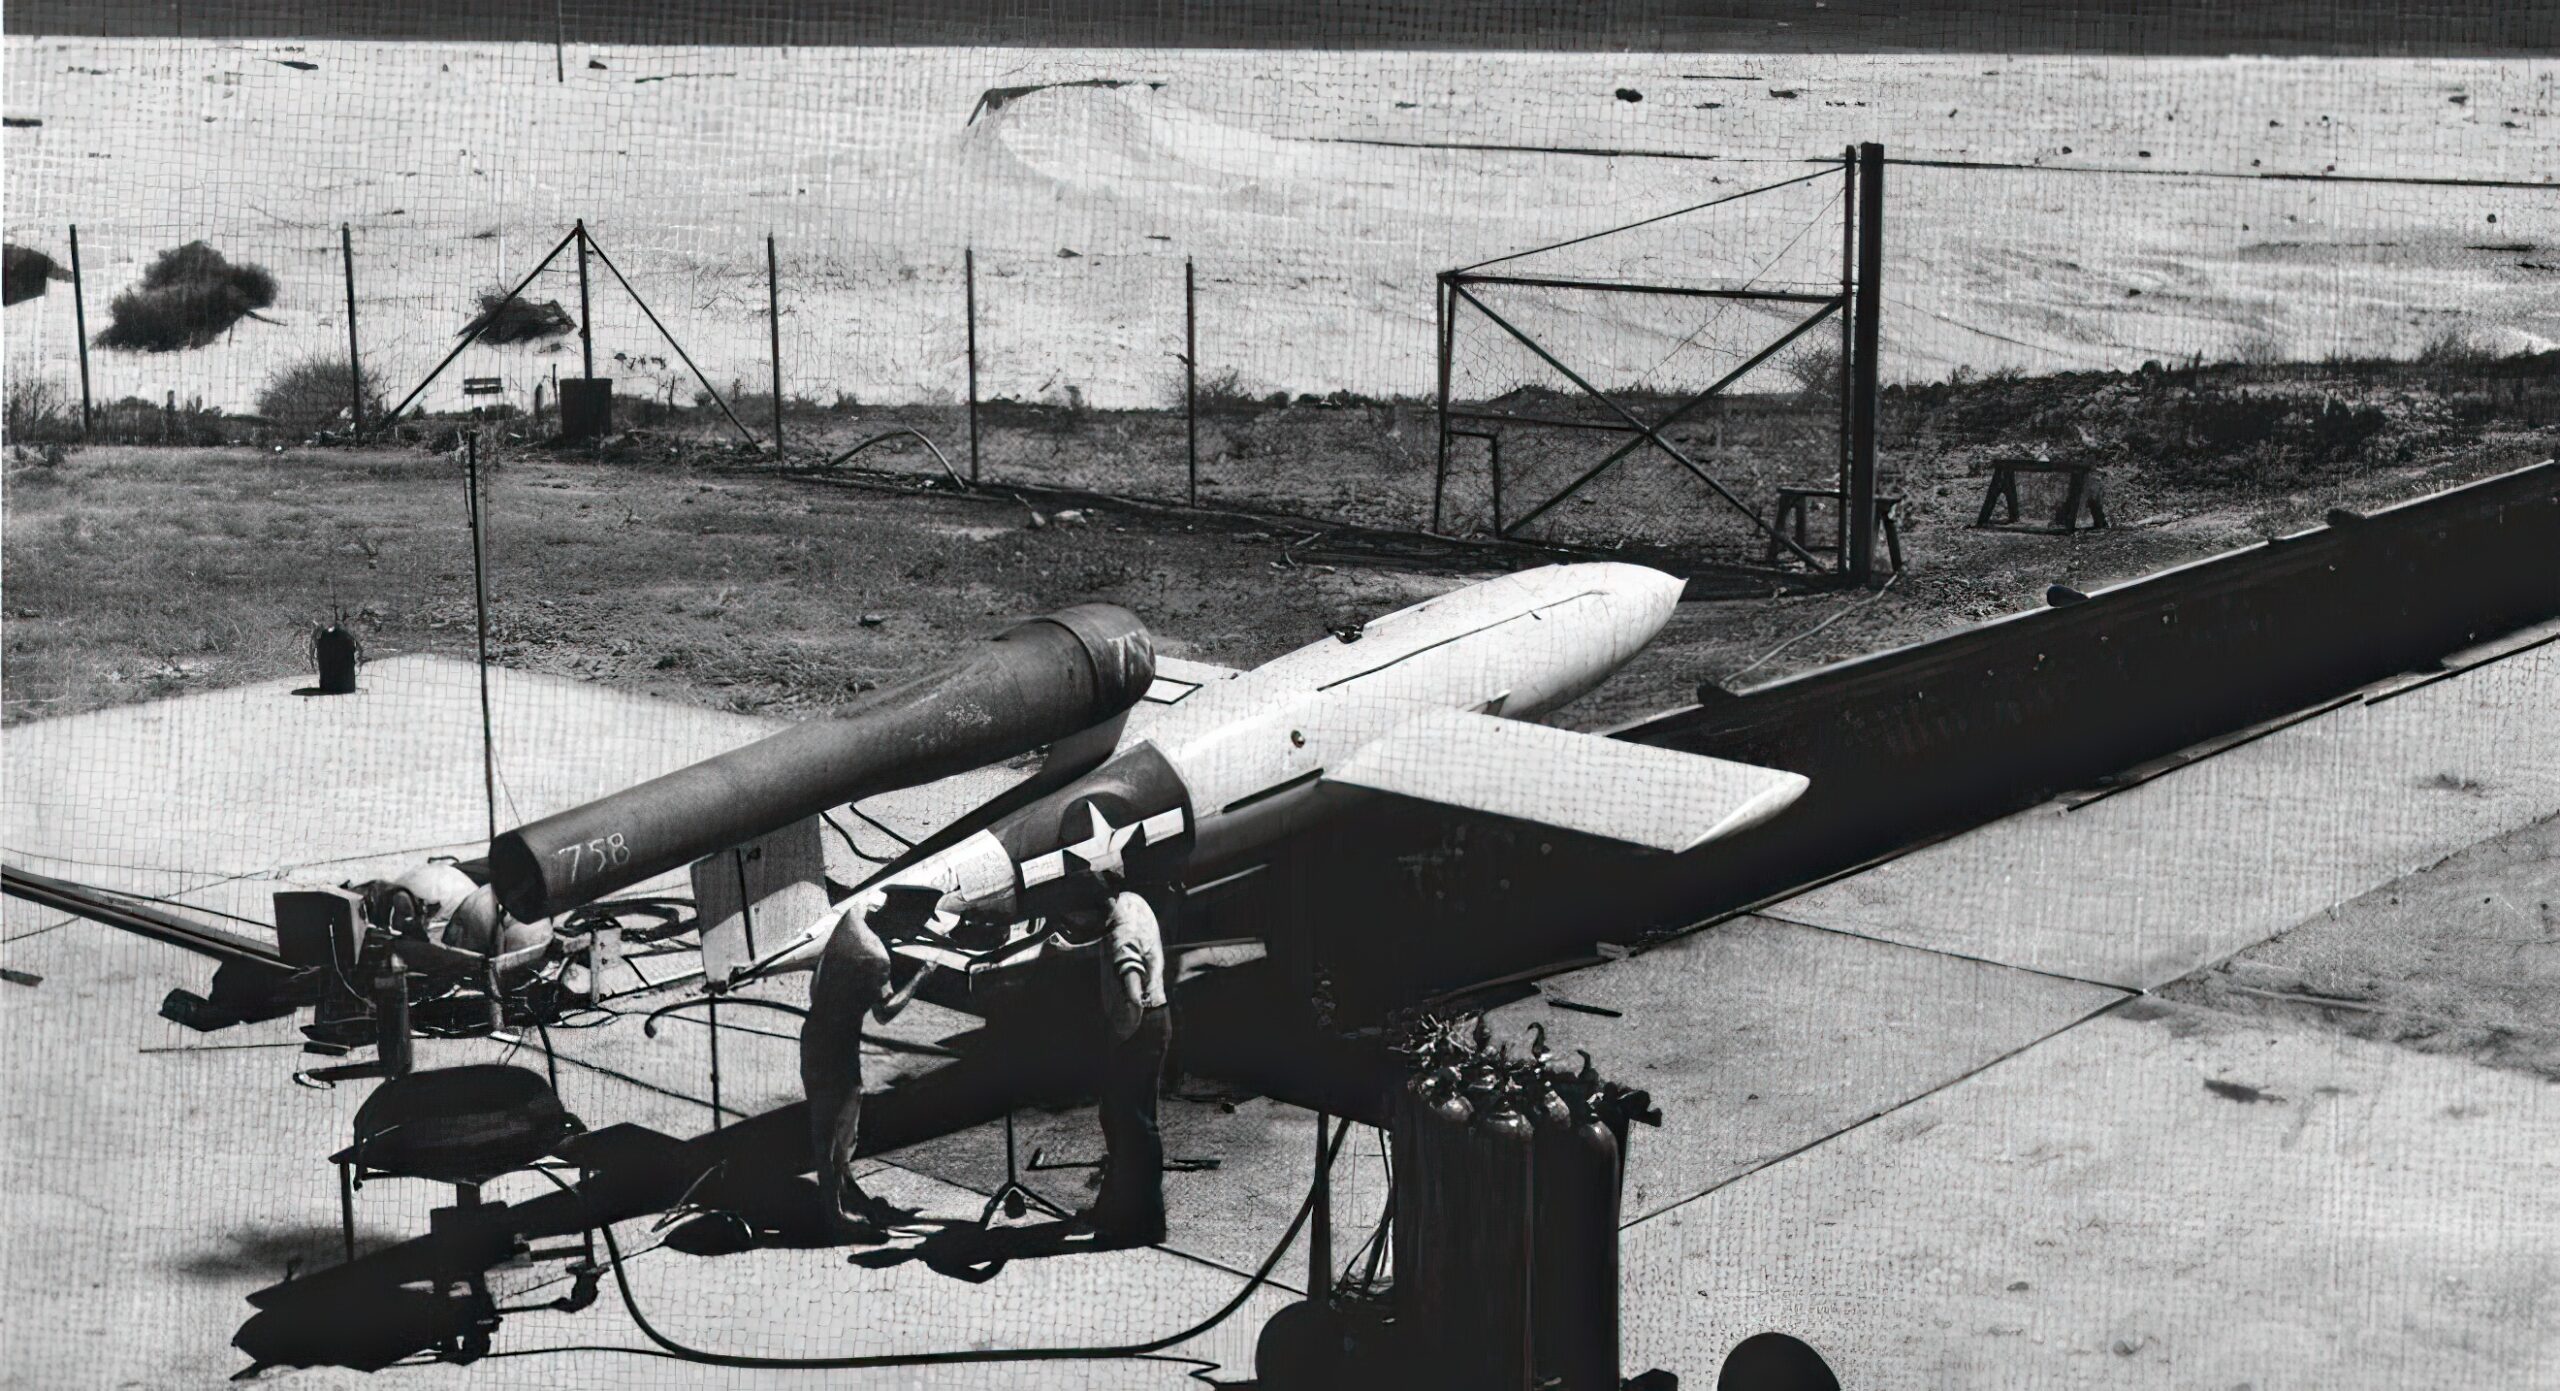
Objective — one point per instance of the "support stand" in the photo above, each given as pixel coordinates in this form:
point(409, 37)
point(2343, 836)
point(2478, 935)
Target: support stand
point(1014, 1197)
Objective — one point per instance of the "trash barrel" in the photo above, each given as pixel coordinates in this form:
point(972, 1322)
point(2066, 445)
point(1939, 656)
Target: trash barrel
point(586, 408)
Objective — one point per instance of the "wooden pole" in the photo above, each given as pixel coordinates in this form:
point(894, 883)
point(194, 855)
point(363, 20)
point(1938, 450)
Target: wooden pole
point(1860, 562)
point(773, 312)
point(969, 292)
point(80, 326)
point(1191, 376)
point(355, 365)
point(586, 324)
point(480, 605)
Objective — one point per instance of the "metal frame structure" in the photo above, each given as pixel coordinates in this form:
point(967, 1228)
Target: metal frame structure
point(579, 237)
point(1856, 302)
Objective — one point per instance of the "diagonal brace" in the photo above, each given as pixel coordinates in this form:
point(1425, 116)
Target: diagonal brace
point(708, 388)
point(1652, 432)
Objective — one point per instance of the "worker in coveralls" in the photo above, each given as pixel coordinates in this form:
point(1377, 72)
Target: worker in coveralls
point(852, 982)
point(1138, 1032)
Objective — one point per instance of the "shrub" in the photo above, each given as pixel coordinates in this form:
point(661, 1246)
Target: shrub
point(39, 410)
point(189, 297)
point(2454, 348)
point(504, 320)
point(1815, 368)
point(311, 395)
point(24, 272)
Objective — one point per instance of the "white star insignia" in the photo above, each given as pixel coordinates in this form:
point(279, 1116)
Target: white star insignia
point(1101, 849)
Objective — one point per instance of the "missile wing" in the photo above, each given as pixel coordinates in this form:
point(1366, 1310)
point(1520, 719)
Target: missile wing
point(1656, 798)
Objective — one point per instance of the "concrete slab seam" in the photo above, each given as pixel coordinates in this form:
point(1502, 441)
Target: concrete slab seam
point(1905, 1104)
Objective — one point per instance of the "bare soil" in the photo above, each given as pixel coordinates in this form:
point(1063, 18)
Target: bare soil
point(666, 562)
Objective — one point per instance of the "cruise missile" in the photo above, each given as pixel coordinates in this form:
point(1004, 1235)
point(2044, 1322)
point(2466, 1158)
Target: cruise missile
point(1435, 703)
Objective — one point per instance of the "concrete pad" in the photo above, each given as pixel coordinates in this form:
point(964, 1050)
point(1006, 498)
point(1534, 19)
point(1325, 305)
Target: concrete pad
point(1759, 1038)
point(1229, 1216)
point(263, 788)
point(777, 1303)
point(2141, 888)
point(2162, 1197)
point(153, 1191)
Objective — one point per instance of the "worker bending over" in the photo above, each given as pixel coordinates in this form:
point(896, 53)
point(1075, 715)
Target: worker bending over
point(1138, 1033)
point(852, 983)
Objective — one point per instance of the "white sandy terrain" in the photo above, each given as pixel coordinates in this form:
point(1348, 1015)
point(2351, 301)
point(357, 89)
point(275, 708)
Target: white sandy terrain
point(458, 165)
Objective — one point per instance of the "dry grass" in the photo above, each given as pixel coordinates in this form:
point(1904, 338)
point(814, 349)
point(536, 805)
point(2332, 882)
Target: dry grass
point(25, 272)
point(189, 297)
point(744, 588)
point(503, 320)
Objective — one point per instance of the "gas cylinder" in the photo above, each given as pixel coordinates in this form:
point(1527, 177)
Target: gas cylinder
point(1432, 1077)
point(1552, 1214)
point(1441, 1235)
point(1585, 1351)
point(1497, 1284)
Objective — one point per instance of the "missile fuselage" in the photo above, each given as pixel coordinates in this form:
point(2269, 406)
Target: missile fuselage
point(1238, 765)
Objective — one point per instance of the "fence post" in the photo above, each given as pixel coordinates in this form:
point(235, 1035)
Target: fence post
point(969, 292)
point(586, 327)
point(1848, 345)
point(80, 326)
point(773, 312)
point(1191, 377)
point(1443, 309)
point(1861, 502)
point(355, 365)
point(480, 606)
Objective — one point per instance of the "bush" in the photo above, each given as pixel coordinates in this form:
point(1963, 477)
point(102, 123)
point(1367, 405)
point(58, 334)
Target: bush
point(24, 272)
point(2454, 348)
point(38, 411)
point(189, 297)
point(311, 395)
point(1815, 368)
point(504, 320)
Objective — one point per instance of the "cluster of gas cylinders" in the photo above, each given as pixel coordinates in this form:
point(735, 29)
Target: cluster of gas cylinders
point(1508, 1171)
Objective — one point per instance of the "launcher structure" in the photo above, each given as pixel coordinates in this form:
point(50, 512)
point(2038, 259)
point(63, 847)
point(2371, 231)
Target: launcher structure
point(1612, 376)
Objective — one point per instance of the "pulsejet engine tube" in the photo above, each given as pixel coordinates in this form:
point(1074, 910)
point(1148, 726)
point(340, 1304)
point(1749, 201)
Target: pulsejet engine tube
point(1028, 687)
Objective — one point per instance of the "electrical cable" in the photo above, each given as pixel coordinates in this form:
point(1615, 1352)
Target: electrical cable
point(948, 1357)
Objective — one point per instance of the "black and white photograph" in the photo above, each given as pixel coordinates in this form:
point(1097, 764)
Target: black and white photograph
point(1785, 695)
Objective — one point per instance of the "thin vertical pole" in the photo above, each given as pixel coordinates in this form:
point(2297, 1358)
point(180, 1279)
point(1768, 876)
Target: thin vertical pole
point(1191, 376)
point(1848, 343)
point(1442, 310)
point(80, 326)
point(559, 42)
point(355, 365)
point(480, 605)
point(1320, 1225)
point(586, 326)
point(773, 312)
point(1861, 558)
point(969, 292)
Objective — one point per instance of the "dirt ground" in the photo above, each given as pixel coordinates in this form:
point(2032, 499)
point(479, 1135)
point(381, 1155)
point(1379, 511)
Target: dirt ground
point(2460, 958)
point(664, 564)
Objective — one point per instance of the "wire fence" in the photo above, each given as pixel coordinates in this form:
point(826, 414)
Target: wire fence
point(1087, 235)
